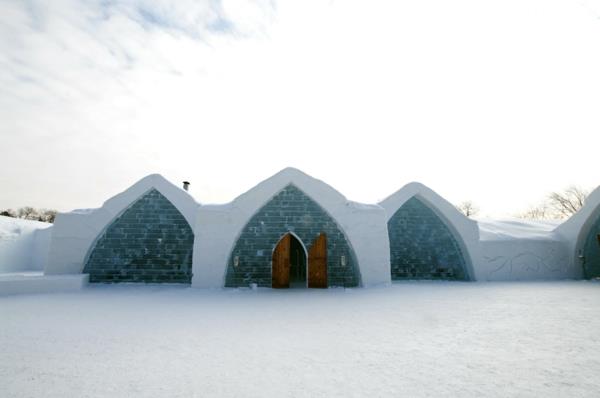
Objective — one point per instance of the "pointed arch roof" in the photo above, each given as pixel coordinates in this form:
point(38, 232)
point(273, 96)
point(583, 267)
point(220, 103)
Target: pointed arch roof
point(181, 199)
point(464, 229)
point(74, 232)
point(319, 191)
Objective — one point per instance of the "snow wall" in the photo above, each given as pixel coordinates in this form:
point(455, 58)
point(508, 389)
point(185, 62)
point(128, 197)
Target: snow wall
point(515, 249)
point(23, 244)
point(526, 259)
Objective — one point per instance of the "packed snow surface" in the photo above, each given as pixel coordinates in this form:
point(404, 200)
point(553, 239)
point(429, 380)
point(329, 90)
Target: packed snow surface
point(516, 228)
point(410, 340)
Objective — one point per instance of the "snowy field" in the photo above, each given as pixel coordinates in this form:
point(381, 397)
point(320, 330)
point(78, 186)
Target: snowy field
point(414, 339)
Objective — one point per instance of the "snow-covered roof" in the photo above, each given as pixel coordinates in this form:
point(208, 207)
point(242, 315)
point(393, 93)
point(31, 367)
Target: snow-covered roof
point(516, 228)
point(181, 199)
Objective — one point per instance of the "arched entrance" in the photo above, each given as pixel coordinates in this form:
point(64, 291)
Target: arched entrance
point(422, 246)
point(290, 267)
point(291, 211)
point(591, 252)
point(317, 263)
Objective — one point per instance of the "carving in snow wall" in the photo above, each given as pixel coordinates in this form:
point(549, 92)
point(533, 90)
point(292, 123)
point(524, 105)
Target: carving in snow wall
point(525, 260)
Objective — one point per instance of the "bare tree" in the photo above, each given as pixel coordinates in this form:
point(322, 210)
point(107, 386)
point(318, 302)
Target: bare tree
point(8, 213)
point(468, 208)
point(559, 204)
point(540, 212)
point(47, 215)
point(28, 213)
point(567, 202)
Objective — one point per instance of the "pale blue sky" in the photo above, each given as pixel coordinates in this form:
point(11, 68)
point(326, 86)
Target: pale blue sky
point(497, 102)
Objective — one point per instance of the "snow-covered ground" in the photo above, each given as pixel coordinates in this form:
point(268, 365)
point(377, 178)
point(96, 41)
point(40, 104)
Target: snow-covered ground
point(534, 339)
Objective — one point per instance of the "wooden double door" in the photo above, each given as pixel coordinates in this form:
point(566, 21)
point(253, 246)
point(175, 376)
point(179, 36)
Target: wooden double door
point(316, 275)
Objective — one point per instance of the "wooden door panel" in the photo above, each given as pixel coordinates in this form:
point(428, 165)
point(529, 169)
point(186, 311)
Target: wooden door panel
point(281, 264)
point(317, 263)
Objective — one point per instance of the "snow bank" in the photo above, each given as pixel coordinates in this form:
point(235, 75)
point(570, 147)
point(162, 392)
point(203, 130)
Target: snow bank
point(23, 244)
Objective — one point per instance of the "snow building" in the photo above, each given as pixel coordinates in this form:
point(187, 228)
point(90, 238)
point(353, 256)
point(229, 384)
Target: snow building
point(289, 231)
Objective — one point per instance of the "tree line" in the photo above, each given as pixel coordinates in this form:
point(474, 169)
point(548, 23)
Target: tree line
point(557, 205)
point(31, 213)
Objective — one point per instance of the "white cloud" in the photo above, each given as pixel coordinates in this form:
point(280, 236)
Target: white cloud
point(494, 102)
